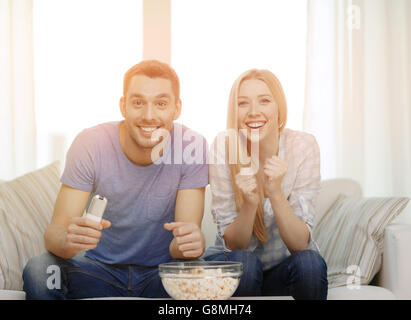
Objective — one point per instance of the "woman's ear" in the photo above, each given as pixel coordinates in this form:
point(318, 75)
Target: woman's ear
point(123, 106)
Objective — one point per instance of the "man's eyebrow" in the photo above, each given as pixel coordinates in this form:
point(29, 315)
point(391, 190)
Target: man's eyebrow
point(136, 95)
point(163, 95)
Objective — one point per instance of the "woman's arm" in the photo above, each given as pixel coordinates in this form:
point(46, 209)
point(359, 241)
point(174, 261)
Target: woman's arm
point(294, 216)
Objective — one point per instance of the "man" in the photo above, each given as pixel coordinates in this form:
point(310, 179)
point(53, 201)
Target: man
point(154, 209)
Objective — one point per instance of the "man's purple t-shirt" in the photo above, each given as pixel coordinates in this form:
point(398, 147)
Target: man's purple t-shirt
point(140, 198)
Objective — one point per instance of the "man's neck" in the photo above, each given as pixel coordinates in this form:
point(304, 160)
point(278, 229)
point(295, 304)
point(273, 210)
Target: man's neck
point(136, 154)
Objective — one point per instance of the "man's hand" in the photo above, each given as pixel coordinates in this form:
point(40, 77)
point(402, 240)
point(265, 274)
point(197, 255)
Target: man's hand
point(189, 238)
point(84, 234)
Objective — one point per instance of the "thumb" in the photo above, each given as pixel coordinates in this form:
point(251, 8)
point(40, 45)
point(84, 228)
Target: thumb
point(105, 223)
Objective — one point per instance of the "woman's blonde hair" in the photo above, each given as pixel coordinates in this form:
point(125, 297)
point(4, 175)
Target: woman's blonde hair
point(277, 92)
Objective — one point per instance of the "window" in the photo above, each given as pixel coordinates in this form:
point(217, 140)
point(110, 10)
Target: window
point(81, 51)
point(214, 41)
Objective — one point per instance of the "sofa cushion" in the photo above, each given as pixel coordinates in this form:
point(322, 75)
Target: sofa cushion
point(26, 207)
point(351, 234)
point(360, 293)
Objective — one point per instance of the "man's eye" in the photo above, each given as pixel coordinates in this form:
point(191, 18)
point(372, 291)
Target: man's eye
point(137, 102)
point(162, 104)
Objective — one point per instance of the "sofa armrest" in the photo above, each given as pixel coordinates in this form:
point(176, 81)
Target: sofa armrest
point(395, 272)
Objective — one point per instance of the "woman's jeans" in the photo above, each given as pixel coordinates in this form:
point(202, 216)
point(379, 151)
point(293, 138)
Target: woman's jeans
point(302, 275)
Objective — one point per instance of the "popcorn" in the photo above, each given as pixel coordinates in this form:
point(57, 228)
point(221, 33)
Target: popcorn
point(200, 284)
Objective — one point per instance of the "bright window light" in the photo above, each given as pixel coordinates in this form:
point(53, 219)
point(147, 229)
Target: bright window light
point(214, 41)
point(81, 51)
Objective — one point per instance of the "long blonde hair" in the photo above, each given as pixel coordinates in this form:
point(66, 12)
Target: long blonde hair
point(276, 90)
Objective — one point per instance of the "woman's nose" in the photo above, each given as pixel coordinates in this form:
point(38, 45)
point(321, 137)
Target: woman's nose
point(253, 111)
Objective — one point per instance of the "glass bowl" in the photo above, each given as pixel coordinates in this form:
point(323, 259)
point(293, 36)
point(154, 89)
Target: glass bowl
point(200, 280)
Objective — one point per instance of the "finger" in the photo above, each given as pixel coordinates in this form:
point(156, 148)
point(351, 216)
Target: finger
point(185, 229)
point(173, 225)
point(190, 246)
point(79, 246)
point(85, 231)
point(105, 223)
point(86, 222)
point(191, 237)
point(76, 238)
point(192, 253)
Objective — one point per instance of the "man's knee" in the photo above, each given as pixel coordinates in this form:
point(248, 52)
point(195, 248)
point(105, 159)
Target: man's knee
point(41, 274)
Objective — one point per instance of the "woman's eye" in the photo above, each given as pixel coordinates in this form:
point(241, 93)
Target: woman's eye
point(265, 101)
point(242, 103)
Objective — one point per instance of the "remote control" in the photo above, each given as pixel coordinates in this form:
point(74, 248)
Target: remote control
point(96, 208)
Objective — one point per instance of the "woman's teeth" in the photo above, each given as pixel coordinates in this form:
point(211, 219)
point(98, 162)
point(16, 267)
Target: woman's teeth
point(255, 125)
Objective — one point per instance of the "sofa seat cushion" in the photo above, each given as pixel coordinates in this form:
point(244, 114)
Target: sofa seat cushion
point(360, 293)
point(12, 295)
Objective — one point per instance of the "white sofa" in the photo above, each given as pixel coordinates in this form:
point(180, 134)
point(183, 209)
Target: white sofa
point(392, 282)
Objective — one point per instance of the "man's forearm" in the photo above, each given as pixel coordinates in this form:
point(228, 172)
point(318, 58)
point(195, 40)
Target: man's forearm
point(54, 239)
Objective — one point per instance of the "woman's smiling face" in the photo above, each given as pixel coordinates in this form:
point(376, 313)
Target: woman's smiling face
point(257, 109)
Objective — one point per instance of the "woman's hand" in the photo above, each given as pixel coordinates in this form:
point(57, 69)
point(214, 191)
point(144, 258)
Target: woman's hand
point(248, 187)
point(274, 172)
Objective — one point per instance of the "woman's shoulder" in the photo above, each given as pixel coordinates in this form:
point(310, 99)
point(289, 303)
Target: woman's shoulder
point(294, 138)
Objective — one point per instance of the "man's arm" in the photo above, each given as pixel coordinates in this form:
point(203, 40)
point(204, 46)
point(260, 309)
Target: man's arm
point(68, 232)
point(188, 239)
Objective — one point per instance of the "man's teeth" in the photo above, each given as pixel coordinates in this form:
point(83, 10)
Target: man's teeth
point(148, 129)
point(255, 124)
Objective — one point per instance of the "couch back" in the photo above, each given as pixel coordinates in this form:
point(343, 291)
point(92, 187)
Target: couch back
point(330, 190)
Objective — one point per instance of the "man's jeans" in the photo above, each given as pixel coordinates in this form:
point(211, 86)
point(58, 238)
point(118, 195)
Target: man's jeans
point(302, 275)
point(82, 277)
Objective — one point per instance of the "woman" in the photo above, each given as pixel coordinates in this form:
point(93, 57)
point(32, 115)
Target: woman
point(265, 213)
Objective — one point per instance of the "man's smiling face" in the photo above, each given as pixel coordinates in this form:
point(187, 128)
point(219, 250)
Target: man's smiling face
point(149, 105)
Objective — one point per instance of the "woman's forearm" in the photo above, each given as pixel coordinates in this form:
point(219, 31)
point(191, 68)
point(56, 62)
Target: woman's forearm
point(293, 230)
point(238, 234)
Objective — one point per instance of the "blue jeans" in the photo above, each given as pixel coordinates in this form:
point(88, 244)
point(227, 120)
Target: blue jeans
point(302, 275)
point(82, 277)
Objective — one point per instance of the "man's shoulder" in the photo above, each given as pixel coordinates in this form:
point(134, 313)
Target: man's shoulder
point(98, 131)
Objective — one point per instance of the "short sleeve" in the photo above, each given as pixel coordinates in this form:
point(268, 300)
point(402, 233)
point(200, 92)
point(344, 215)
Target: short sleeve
point(223, 205)
point(195, 163)
point(307, 184)
point(79, 171)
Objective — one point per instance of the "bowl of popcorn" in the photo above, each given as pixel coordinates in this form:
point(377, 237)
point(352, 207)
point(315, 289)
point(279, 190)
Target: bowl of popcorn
point(201, 280)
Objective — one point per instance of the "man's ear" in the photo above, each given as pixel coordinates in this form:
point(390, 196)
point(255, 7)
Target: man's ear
point(123, 106)
point(178, 110)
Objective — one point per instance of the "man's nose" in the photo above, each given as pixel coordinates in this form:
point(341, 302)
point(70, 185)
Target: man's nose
point(148, 112)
